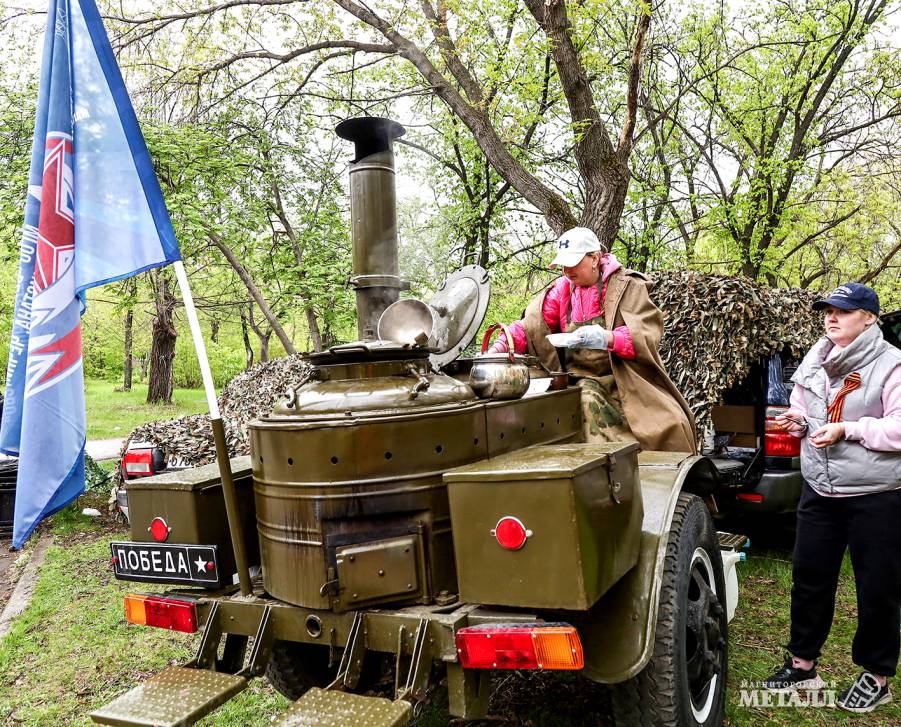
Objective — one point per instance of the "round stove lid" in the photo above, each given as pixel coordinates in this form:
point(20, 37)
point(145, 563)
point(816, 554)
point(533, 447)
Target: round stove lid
point(364, 351)
point(458, 309)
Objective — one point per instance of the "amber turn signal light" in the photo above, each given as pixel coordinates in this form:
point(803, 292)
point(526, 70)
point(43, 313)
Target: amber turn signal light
point(526, 646)
point(164, 613)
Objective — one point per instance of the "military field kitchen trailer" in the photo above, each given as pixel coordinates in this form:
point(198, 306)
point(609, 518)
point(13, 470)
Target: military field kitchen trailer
point(387, 512)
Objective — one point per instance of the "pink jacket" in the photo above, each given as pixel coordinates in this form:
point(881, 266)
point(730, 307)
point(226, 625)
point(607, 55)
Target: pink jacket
point(880, 434)
point(585, 306)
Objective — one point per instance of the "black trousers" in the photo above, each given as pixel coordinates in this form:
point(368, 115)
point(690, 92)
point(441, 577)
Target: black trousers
point(869, 526)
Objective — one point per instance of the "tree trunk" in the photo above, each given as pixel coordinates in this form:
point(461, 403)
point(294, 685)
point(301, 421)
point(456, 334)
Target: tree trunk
point(263, 335)
point(281, 213)
point(129, 350)
point(214, 331)
point(162, 348)
point(253, 290)
point(604, 203)
point(313, 324)
point(264, 346)
point(248, 349)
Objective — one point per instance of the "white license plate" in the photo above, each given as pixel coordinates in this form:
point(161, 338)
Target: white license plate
point(166, 563)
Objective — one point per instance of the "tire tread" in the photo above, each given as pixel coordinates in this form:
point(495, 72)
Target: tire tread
point(650, 698)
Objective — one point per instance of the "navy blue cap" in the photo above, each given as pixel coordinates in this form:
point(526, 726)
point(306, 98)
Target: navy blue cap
point(851, 296)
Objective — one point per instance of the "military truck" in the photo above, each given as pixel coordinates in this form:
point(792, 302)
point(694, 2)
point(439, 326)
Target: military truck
point(386, 511)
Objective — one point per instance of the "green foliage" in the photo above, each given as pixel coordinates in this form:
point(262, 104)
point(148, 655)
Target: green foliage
point(94, 475)
point(248, 161)
point(226, 359)
point(17, 108)
point(768, 146)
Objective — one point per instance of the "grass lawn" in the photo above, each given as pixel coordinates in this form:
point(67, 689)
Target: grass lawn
point(761, 629)
point(113, 413)
point(71, 651)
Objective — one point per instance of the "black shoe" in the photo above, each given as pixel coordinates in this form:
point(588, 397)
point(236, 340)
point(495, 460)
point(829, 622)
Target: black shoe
point(788, 678)
point(864, 695)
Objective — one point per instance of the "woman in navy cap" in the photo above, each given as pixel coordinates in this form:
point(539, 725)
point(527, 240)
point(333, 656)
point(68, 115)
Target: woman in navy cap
point(846, 404)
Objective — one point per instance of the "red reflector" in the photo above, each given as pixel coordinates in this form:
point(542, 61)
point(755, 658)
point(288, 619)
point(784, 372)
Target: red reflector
point(138, 462)
point(554, 646)
point(164, 613)
point(511, 533)
point(749, 496)
point(159, 529)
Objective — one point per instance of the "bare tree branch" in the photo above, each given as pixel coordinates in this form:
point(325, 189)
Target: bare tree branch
point(551, 204)
point(625, 139)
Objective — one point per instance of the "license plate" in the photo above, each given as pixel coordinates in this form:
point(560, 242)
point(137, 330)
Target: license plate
point(166, 563)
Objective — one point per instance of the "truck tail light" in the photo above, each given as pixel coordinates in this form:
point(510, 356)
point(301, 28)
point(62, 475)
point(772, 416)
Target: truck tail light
point(777, 442)
point(531, 646)
point(164, 613)
point(137, 463)
point(749, 496)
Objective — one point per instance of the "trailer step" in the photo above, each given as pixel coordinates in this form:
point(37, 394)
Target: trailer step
point(731, 541)
point(174, 697)
point(329, 708)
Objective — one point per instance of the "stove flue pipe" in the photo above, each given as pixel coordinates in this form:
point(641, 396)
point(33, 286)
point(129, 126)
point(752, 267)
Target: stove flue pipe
point(373, 214)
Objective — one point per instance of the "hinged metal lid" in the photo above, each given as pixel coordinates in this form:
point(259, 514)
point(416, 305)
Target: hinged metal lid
point(192, 479)
point(459, 308)
point(543, 462)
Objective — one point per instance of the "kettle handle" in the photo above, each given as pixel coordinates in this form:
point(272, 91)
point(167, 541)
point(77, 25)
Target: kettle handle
point(499, 327)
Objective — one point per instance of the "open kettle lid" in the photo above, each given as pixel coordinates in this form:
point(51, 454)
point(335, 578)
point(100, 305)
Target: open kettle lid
point(459, 307)
point(450, 319)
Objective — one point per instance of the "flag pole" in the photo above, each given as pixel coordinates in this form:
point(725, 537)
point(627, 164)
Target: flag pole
point(228, 485)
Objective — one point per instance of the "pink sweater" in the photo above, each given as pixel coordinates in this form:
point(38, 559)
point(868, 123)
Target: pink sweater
point(882, 434)
point(585, 306)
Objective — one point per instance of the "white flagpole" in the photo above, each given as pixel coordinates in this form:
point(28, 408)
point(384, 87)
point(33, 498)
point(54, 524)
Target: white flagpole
point(228, 485)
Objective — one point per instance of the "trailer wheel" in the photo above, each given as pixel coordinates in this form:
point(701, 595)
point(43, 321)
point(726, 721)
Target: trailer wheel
point(294, 667)
point(685, 681)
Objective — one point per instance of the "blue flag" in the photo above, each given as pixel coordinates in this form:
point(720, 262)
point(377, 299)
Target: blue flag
point(94, 213)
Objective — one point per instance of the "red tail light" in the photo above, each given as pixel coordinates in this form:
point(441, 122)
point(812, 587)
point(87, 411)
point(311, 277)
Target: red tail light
point(533, 646)
point(776, 441)
point(749, 496)
point(164, 613)
point(138, 463)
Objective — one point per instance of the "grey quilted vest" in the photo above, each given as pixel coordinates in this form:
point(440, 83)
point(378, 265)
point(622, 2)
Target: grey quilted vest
point(848, 467)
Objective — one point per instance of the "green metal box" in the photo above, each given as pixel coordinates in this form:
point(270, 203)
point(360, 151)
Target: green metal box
point(191, 503)
point(578, 509)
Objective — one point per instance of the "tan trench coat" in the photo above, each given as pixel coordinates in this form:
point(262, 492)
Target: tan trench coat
point(656, 412)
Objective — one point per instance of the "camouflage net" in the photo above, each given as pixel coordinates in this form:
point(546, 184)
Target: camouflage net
point(716, 327)
point(250, 395)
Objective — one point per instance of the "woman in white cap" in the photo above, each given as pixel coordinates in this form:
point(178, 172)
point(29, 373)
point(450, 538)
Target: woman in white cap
point(626, 393)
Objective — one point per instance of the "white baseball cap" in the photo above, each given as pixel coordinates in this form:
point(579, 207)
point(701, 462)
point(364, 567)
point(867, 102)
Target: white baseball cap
point(572, 246)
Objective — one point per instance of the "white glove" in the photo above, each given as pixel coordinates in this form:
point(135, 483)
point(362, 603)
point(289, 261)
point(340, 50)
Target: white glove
point(593, 336)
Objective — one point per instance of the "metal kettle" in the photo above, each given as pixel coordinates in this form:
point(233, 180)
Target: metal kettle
point(499, 376)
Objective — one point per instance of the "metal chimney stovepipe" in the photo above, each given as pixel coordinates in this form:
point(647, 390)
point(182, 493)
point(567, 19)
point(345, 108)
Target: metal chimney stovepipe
point(373, 214)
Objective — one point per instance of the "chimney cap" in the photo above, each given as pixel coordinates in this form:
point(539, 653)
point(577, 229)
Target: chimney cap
point(370, 134)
